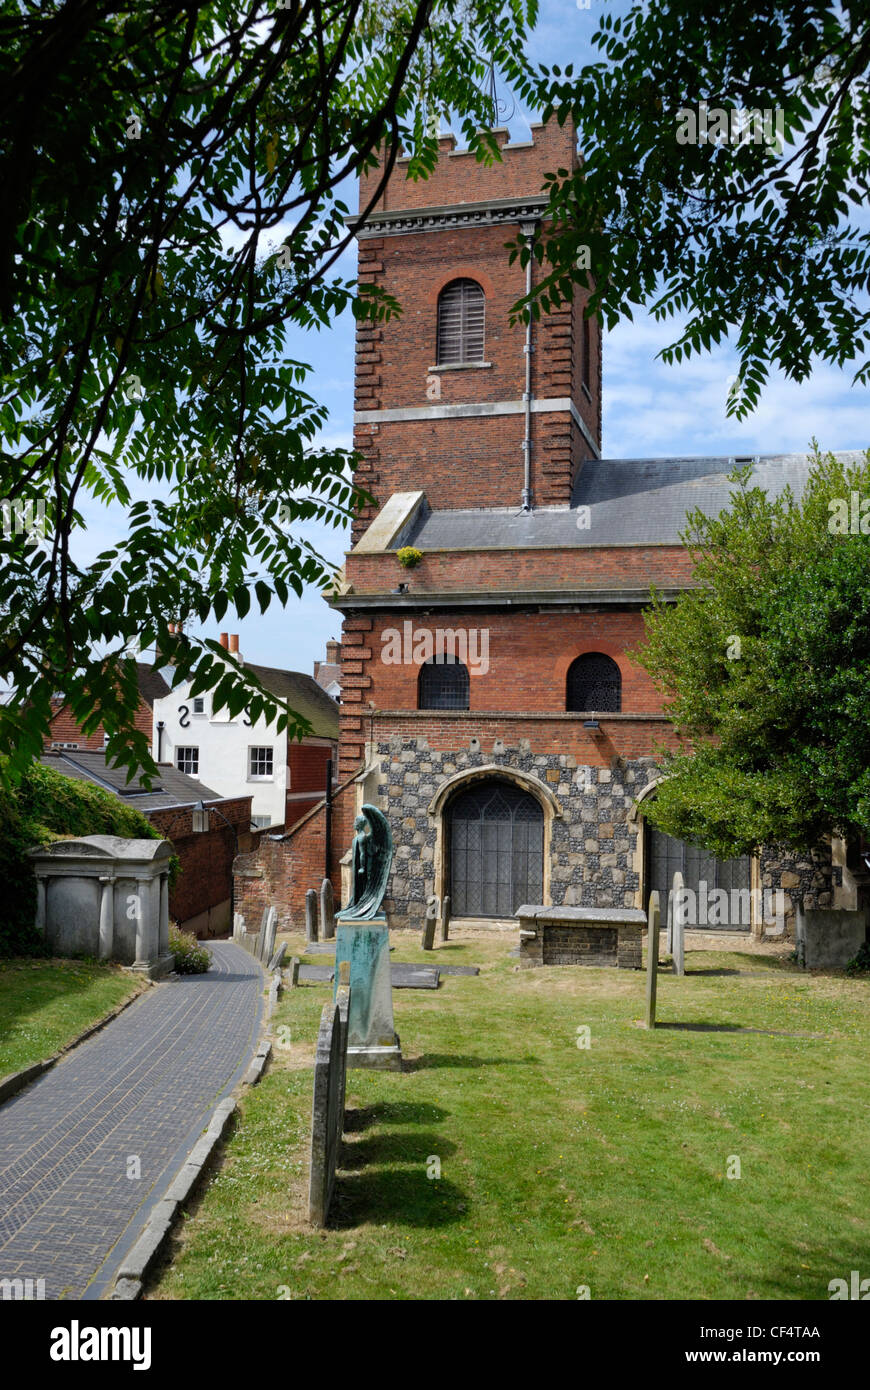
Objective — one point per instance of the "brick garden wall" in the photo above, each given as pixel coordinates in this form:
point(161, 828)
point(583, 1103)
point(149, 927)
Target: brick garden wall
point(206, 858)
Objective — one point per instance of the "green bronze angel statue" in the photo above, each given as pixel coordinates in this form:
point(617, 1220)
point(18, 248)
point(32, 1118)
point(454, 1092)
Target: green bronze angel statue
point(371, 859)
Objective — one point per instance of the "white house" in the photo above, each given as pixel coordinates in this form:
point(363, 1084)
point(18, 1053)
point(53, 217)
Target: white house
point(238, 758)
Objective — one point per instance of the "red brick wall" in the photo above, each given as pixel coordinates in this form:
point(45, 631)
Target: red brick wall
point(394, 359)
point(529, 655)
point(307, 766)
point(206, 858)
point(459, 178)
point(528, 658)
point(488, 571)
point(280, 872)
point(65, 729)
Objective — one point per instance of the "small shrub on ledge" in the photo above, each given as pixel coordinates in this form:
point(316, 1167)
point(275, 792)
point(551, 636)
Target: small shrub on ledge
point(409, 556)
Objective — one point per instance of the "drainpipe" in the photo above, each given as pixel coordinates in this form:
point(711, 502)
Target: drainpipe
point(160, 727)
point(327, 872)
point(528, 230)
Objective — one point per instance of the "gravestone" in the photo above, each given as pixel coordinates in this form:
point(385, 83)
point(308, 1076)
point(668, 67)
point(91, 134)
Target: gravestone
point(238, 926)
point(267, 935)
point(311, 915)
point(445, 918)
point(654, 918)
point(327, 911)
point(431, 921)
point(293, 972)
point(678, 919)
point(327, 1110)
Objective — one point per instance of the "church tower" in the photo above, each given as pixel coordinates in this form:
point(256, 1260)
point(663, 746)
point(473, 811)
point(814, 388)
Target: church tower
point(451, 397)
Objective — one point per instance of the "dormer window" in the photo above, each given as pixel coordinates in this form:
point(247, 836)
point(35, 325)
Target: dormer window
point(461, 319)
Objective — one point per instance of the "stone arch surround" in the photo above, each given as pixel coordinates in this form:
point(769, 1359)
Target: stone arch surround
point(438, 809)
point(588, 843)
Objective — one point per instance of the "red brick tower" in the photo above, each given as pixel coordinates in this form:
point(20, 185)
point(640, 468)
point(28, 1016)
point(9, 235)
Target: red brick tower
point(429, 243)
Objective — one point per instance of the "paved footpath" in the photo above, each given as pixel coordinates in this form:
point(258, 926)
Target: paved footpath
point(143, 1088)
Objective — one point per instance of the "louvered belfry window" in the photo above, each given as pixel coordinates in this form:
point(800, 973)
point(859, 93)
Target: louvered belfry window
point(594, 685)
point(461, 314)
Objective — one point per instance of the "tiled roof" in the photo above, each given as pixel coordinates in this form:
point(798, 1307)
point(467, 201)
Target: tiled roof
point(630, 501)
point(303, 695)
point(152, 686)
point(171, 788)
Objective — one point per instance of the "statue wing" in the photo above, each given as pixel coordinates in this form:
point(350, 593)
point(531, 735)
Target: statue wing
point(382, 856)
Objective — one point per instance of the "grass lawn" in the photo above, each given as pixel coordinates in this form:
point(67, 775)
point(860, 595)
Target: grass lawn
point(561, 1166)
point(44, 1004)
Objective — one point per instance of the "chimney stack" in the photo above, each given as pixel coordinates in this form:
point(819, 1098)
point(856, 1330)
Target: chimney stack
point(333, 652)
point(234, 643)
point(225, 640)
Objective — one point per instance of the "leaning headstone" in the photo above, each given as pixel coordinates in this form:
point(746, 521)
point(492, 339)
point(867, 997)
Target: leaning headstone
point(428, 940)
point(445, 918)
point(327, 1111)
point(238, 926)
point(293, 972)
point(327, 911)
point(311, 915)
point(678, 917)
point(267, 934)
point(676, 886)
point(654, 918)
point(277, 957)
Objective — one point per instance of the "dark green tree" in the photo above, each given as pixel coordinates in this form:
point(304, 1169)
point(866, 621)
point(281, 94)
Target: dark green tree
point(708, 213)
point(765, 668)
point(172, 177)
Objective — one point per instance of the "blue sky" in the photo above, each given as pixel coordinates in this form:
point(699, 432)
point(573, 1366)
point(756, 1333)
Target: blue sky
point(649, 409)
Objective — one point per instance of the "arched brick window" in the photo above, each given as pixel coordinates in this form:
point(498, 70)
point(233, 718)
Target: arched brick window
point(443, 684)
point(461, 316)
point(594, 683)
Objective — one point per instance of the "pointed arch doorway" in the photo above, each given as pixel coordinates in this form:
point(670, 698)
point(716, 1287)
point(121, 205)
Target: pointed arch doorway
point(496, 850)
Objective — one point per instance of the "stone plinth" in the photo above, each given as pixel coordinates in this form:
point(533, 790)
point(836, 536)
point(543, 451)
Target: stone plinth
point(829, 936)
point(372, 1040)
point(580, 936)
point(105, 896)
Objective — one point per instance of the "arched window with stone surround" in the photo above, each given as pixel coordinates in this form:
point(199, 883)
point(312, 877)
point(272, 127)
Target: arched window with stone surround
point(594, 684)
point(442, 684)
point(461, 322)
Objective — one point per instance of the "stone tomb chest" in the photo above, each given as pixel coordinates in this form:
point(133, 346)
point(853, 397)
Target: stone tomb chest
point(107, 897)
point(580, 936)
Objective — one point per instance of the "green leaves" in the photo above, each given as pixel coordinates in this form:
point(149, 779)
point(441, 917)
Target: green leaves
point(740, 231)
point(145, 307)
point(765, 668)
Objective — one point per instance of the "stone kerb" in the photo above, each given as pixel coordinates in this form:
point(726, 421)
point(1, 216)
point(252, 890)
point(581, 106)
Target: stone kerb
point(327, 1112)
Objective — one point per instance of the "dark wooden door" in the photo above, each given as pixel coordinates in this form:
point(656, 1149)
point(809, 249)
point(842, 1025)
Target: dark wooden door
point(496, 851)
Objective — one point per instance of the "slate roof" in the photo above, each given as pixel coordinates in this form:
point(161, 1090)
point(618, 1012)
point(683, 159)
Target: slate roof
point(631, 502)
point(152, 685)
point(171, 788)
point(303, 695)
